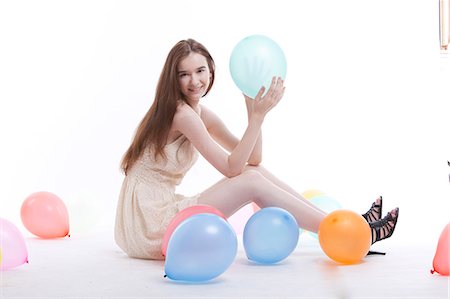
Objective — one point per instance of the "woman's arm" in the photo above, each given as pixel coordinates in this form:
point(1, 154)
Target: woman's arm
point(189, 123)
point(256, 156)
point(225, 138)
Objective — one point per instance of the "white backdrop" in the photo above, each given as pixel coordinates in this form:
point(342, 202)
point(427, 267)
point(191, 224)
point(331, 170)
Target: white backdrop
point(364, 111)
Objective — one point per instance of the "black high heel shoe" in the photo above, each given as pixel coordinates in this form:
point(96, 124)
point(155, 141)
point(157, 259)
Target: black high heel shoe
point(384, 228)
point(375, 211)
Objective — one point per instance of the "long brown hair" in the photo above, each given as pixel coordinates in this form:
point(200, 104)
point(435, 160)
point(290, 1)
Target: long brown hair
point(154, 128)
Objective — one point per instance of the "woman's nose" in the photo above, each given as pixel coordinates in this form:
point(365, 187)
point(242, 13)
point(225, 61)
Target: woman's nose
point(194, 79)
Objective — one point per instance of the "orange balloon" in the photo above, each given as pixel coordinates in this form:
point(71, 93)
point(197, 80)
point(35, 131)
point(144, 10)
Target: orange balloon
point(345, 236)
point(441, 258)
point(183, 215)
point(45, 215)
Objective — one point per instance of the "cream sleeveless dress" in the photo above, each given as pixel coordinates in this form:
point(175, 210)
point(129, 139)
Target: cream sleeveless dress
point(148, 201)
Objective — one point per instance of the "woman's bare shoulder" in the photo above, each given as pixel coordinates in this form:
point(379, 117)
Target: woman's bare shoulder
point(205, 111)
point(184, 112)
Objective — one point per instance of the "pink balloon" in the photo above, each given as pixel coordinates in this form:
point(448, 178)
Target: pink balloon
point(239, 219)
point(45, 215)
point(183, 215)
point(14, 249)
point(256, 208)
point(441, 258)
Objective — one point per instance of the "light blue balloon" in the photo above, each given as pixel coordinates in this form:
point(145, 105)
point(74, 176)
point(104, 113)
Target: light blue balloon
point(253, 63)
point(270, 235)
point(201, 248)
point(327, 204)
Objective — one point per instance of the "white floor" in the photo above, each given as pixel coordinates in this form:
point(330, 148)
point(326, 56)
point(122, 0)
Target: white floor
point(92, 266)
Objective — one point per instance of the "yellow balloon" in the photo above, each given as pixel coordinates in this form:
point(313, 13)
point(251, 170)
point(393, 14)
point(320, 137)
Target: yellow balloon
point(345, 236)
point(308, 194)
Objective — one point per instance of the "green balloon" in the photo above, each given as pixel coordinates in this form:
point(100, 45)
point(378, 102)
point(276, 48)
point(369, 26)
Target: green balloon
point(253, 63)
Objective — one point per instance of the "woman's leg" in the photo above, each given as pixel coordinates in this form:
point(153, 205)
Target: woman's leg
point(231, 194)
point(373, 214)
point(268, 175)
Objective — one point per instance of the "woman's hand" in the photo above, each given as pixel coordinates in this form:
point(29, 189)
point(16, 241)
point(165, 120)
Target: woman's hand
point(261, 105)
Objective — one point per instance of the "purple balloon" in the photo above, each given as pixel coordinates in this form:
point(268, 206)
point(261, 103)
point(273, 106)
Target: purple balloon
point(12, 243)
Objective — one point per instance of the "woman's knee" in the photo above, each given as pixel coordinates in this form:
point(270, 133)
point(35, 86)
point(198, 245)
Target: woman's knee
point(252, 178)
point(258, 168)
point(252, 172)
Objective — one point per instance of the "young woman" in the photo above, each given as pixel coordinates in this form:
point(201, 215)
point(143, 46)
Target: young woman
point(167, 142)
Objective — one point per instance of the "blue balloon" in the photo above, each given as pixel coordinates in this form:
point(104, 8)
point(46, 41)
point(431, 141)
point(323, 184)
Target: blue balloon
point(270, 235)
point(253, 63)
point(327, 204)
point(201, 248)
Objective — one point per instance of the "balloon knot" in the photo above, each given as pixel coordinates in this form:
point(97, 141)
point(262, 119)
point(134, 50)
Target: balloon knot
point(165, 275)
point(432, 271)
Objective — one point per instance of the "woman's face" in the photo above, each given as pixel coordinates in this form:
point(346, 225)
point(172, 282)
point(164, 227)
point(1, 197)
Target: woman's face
point(193, 76)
